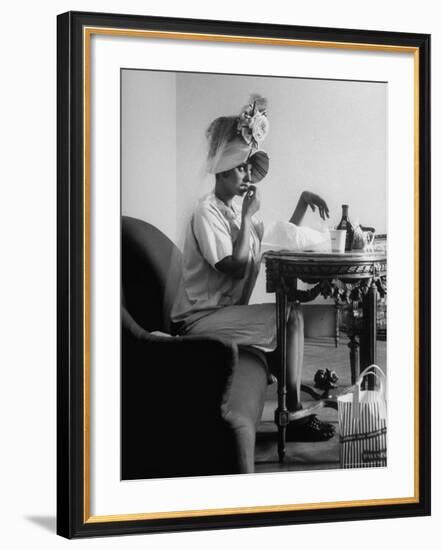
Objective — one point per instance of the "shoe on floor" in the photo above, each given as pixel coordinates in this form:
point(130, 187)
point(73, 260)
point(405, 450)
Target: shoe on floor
point(309, 429)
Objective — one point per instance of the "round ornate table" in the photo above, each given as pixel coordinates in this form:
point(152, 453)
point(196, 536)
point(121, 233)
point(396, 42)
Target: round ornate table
point(349, 276)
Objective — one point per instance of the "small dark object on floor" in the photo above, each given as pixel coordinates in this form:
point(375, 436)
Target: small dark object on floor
point(325, 380)
point(309, 429)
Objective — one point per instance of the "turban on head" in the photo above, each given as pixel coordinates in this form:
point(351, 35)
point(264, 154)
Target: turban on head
point(235, 140)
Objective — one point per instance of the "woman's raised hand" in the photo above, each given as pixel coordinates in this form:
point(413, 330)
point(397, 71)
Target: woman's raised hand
point(251, 202)
point(313, 200)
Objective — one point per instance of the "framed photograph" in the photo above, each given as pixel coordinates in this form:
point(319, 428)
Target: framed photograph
point(233, 201)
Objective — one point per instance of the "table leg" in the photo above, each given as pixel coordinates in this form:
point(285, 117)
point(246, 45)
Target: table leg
point(368, 336)
point(354, 357)
point(281, 413)
point(337, 319)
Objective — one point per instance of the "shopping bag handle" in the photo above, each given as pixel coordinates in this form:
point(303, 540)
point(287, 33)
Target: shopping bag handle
point(375, 371)
point(379, 374)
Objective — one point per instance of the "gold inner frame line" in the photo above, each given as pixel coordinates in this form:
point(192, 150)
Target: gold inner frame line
point(87, 33)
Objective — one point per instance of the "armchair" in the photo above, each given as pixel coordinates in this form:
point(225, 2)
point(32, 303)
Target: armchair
point(190, 405)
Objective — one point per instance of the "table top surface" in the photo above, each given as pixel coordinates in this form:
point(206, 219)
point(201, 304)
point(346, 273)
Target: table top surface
point(327, 257)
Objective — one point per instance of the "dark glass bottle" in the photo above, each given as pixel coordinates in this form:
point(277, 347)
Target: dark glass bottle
point(345, 223)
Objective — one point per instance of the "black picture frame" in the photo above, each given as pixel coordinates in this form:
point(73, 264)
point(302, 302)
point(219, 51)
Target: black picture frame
point(73, 519)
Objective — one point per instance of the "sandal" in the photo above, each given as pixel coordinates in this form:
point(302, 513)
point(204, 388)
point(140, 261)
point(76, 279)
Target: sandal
point(309, 429)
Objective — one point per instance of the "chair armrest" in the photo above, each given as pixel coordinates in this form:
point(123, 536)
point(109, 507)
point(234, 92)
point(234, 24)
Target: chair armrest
point(200, 366)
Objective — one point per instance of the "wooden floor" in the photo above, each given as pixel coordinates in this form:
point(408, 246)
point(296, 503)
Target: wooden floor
point(319, 353)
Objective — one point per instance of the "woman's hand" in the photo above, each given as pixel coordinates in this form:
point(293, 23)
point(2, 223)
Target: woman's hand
point(313, 200)
point(307, 199)
point(236, 264)
point(251, 202)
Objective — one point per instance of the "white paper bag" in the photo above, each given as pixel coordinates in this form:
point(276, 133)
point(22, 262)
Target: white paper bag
point(362, 417)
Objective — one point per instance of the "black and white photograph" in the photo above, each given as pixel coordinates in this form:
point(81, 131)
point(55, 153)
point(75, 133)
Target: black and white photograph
point(253, 274)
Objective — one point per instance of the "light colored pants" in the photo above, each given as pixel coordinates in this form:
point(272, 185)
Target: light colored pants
point(251, 325)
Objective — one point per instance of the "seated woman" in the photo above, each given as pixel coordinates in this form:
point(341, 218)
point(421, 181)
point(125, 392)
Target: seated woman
point(222, 257)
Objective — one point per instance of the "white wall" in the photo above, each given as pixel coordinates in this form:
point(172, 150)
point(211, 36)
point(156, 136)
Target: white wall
point(27, 280)
point(148, 147)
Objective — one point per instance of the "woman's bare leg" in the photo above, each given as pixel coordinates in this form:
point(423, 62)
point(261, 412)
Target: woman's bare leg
point(295, 356)
point(310, 428)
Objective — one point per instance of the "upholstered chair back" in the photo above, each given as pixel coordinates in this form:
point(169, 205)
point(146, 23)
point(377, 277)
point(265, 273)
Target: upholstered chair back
point(151, 268)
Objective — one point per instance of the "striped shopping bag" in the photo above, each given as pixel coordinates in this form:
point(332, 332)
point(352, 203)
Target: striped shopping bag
point(362, 416)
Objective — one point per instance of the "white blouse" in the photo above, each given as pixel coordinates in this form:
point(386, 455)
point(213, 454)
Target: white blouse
point(211, 234)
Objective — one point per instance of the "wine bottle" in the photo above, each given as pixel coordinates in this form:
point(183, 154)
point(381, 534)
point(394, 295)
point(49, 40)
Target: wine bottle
point(345, 223)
